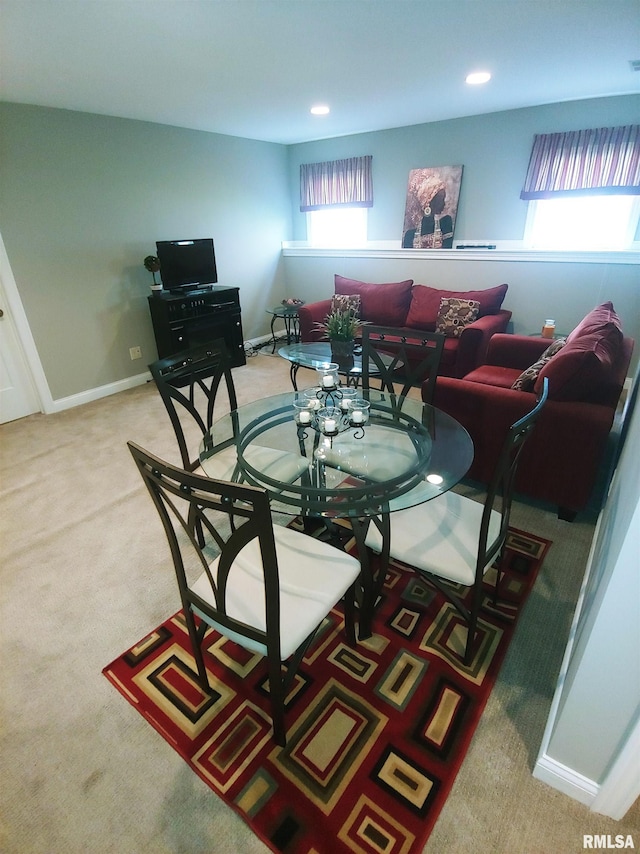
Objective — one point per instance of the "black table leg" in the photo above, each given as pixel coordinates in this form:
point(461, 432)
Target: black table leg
point(293, 371)
point(371, 583)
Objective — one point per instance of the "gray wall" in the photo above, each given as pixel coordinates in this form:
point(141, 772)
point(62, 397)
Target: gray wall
point(83, 198)
point(493, 149)
point(537, 290)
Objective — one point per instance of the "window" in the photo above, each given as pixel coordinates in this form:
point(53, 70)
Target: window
point(582, 188)
point(582, 223)
point(342, 227)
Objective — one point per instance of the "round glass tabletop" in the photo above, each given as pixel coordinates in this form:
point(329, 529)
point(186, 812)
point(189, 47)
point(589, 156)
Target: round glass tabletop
point(401, 456)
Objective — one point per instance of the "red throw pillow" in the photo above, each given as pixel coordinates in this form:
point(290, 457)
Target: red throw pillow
point(579, 370)
point(386, 303)
point(602, 321)
point(425, 303)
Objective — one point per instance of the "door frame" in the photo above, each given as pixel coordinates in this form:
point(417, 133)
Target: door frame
point(28, 350)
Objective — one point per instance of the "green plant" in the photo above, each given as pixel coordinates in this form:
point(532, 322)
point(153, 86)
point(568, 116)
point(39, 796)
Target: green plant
point(341, 326)
point(152, 264)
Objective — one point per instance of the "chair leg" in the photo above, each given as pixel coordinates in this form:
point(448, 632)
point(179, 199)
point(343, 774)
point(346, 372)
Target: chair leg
point(276, 692)
point(196, 645)
point(473, 621)
point(499, 573)
point(350, 615)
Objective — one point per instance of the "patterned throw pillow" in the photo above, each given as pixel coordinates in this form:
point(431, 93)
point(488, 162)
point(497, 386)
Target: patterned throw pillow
point(527, 378)
point(455, 314)
point(346, 302)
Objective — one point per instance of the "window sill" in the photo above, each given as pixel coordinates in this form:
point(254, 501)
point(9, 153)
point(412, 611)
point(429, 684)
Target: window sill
point(502, 252)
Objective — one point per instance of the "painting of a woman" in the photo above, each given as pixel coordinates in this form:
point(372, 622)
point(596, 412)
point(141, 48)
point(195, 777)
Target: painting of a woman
point(432, 204)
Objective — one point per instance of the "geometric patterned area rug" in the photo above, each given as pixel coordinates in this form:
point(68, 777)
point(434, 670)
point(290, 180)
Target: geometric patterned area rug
point(375, 734)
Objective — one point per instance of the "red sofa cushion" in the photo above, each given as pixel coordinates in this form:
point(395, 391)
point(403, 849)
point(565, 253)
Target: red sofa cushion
point(494, 375)
point(425, 303)
point(386, 304)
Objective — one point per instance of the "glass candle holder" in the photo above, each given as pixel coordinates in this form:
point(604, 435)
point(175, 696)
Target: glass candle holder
point(311, 395)
point(303, 411)
point(328, 376)
point(346, 396)
point(549, 328)
point(358, 412)
point(329, 420)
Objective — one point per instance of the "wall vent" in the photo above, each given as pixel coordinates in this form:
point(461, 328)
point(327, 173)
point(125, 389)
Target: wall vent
point(635, 64)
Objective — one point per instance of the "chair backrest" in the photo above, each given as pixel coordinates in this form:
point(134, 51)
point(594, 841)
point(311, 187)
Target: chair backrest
point(233, 514)
point(188, 383)
point(415, 359)
point(500, 489)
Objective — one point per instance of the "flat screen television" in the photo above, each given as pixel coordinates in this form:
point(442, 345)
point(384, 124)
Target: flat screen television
point(186, 264)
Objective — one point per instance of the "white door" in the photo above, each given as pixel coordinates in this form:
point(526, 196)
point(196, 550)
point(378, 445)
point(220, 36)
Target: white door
point(18, 395)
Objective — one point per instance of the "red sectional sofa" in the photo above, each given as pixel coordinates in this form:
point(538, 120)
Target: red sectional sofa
point(561, 462)
point(414, 309)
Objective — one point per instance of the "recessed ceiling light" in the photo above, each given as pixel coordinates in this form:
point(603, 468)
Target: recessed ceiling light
point(478, 77)
point(320, 110)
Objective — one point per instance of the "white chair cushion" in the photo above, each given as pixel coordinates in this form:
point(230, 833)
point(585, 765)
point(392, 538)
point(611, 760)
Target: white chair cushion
point(280, 465)
point(313, 577)
point(388, 454)
point(440, 536)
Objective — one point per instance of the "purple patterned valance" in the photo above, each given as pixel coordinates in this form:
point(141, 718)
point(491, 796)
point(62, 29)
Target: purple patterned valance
point(584, 162)
point(336, 182)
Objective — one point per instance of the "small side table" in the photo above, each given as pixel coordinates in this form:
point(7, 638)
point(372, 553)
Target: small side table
point(289, 315)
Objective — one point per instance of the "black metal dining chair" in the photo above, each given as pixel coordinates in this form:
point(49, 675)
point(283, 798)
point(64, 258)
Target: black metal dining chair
point(189, 384)
point(269, 588)
point(415, 359)
point(456, 540)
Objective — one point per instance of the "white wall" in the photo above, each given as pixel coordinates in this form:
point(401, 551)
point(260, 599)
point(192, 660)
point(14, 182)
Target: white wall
point(83, 198)
point(565, 291)
point(596, 707)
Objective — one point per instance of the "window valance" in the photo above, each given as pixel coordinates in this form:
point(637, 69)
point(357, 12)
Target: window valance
point(602, 160)
point(336, 182)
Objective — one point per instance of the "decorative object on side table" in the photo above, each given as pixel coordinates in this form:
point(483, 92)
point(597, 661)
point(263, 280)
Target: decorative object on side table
point(548, 329)
point(152, 264)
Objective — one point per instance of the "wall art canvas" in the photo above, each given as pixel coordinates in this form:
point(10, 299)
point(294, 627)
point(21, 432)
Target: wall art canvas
point(431, 208)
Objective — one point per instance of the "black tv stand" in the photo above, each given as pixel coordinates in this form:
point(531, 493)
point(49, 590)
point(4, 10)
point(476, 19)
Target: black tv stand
point(186, 320)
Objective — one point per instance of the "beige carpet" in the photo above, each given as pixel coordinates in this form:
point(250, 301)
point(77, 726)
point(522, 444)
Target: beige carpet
point(85, 571)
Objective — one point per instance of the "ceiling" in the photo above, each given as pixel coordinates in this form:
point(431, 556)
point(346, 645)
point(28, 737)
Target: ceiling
point(253, 68)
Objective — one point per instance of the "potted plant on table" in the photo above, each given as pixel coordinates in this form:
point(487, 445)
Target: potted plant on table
point(341, 327)
point(152, 264)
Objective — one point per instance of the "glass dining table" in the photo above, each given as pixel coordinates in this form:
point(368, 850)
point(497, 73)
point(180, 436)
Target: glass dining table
point(361, 467)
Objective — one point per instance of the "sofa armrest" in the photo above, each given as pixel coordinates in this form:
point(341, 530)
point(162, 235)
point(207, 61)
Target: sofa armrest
point(515, 351)
point(475, 339)
point(311, 314)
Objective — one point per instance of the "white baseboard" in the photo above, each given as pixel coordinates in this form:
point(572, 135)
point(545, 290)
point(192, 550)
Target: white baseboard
point(121, 385)
point(566, 780)
point(96, 393)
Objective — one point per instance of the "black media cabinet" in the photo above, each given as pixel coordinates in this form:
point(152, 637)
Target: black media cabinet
point(183, 321)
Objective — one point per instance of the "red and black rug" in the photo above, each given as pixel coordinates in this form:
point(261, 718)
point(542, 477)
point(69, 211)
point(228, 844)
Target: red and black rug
point(376, 734)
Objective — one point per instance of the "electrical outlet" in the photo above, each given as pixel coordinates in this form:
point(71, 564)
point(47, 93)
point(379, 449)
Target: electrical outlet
point(135, 352)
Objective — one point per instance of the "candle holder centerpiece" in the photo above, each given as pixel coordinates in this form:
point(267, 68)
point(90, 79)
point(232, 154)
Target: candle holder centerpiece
point(330, 420)
point(330, 408)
